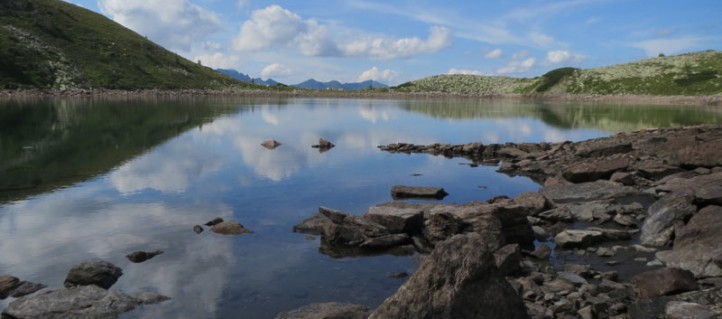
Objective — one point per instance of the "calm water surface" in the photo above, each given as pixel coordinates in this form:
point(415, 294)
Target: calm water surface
point(94, 179)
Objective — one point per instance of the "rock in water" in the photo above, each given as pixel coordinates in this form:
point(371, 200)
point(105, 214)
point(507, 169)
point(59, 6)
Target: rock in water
point(230, 227)
point(271, 144)
point(214, 221)
point(8, 284)
point(396, 219)
point(77, 302)
point(25, 288)
point(198, 229)
point(323, 145)
point(100, 273)
point(401, 192)
point(331, 310)
point(141, 256)
point(457, 280)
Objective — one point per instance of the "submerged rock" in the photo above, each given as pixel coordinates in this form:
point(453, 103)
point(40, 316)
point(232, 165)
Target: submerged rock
point(330, 310)
point(230, 227)
point(141, 256)
point(401, 192)
point(77, 302)
point(100, 273)
point(457, 280)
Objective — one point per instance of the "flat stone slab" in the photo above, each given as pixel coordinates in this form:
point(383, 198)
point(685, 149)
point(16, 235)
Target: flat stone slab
point(578, 238)
point(585, 192)
point(328, 310)
point(402, 192)
point(698, 245)
point(396, 219)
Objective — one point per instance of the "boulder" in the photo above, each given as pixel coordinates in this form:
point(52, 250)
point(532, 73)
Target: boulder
point(655, 170)
point(531, 202)
point(508, 259)
point(7, 285)
point(77, 302)
point(706, 154)
point(697, 245)
point(339, 228)
point(214, 221)
point(25, 288)
point(578, 238)
point(141, 256)
point(100, 273)
point(330, 310)
point(663, 281)
point(397, 219)
point(270, 144)
point(688, 310)
point(602, 148)
point(664, 217)
point(230, 227)
point(401, 192)
point(457, 280)
point(584, 192)
point(589, 171)
point(706, 189)
point(439, 226)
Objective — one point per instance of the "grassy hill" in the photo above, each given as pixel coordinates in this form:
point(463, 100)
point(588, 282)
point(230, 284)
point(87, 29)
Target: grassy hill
point(56, 45)
point(698, 73)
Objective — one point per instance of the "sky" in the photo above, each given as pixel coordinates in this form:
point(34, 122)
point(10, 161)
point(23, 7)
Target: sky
point(402, 40)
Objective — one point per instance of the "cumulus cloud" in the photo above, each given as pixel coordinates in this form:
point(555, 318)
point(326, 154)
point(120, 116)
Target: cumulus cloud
point(493, 54)
point(218, 60)
point(375, 74)
point(669, 46)
point(563, 56)
point(464, 71)
point(175, 24)
point(276, 27)
point(277, 70)
point(517, 66)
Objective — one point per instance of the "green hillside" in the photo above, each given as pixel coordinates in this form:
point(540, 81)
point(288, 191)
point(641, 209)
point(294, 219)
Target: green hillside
point(56, 45)
point(697, 73)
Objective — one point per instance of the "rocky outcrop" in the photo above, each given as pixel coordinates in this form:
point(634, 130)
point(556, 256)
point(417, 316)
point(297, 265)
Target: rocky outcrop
point(697, 246)
point(403, 192)
point(78, 302)
point(330, 310)
point(662, 282)
point(457, 280)
point(397, 219)
point(665, 216)
point(99, 273)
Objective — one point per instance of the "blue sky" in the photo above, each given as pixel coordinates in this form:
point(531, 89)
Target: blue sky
point(397, 41)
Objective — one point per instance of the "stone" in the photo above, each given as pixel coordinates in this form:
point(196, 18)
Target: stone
point(197, 229)
point(656, 171)
point(397, 219)
point(585, 192)
point(615, 234)
point(571, 238)
point(323, 145)
point(442, 225)
point(340, 229)
point(141, 256)
point(625, 220)
point(214, 221)
point(664, 216)
point(532, 203)
point(697, 245)
point(540, 233)
point(458, 279)
point(572, 277)
point(601, 148)
point(706, 154)
point(100, 273)
point(560, 214)
point(605, 252)
point(25, 288)
point(624, 178)
point(541, 252)
point(7, 285)
point(76, 302)
point(706, 189)
point(663, 281)
point(508, 259)
point(330, 310)
point(270, 144)
point(230, 227)
point(386, 241)
point(402, 192)
point(688, 310)
point(589, 171)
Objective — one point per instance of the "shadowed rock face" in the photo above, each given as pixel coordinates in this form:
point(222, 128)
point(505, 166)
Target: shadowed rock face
point(459, 279)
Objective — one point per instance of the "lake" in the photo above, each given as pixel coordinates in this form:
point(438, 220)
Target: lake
point(100, 178)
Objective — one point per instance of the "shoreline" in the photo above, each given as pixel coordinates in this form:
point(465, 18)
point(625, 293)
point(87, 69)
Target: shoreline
point(701, 100)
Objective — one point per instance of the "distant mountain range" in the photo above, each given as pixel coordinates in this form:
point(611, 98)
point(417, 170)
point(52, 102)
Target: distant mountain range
point(310, 84)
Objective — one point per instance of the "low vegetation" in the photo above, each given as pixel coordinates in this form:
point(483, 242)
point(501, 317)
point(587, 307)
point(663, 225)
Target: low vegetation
point(698, 73)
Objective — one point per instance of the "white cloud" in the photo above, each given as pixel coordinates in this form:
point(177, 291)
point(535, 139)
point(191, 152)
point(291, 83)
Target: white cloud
point(277, 70)
point(517, 66)
point(669, 46)
point(386, 76)
point(541, 39)
point(175, 24)
point(242, 3)
point(563, 56)
point(218, 60)
point(276, 27)
point(493, 54)
point(464, 71)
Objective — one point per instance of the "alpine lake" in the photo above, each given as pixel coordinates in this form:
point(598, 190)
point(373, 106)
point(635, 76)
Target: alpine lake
point(98, 178)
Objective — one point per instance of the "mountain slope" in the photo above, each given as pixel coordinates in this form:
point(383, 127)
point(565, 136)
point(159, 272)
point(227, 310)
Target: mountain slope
point(312, 84)
point(698, 73)
point(56, 45)
point(246, 78)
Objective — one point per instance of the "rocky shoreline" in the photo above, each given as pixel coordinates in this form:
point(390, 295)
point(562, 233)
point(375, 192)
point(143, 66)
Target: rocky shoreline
point(702, 100)
point(623, 227)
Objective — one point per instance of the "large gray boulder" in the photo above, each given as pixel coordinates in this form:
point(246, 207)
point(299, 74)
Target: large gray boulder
point(100, 273)
point(706, 189)
point(397, 219)
point(663, 281)
point(697, 246)
point(78, 302)
point(329, 310)
point(457, 280)
point(664, 217)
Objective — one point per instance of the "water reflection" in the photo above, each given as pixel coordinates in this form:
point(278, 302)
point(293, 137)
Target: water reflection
point(83, 179)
